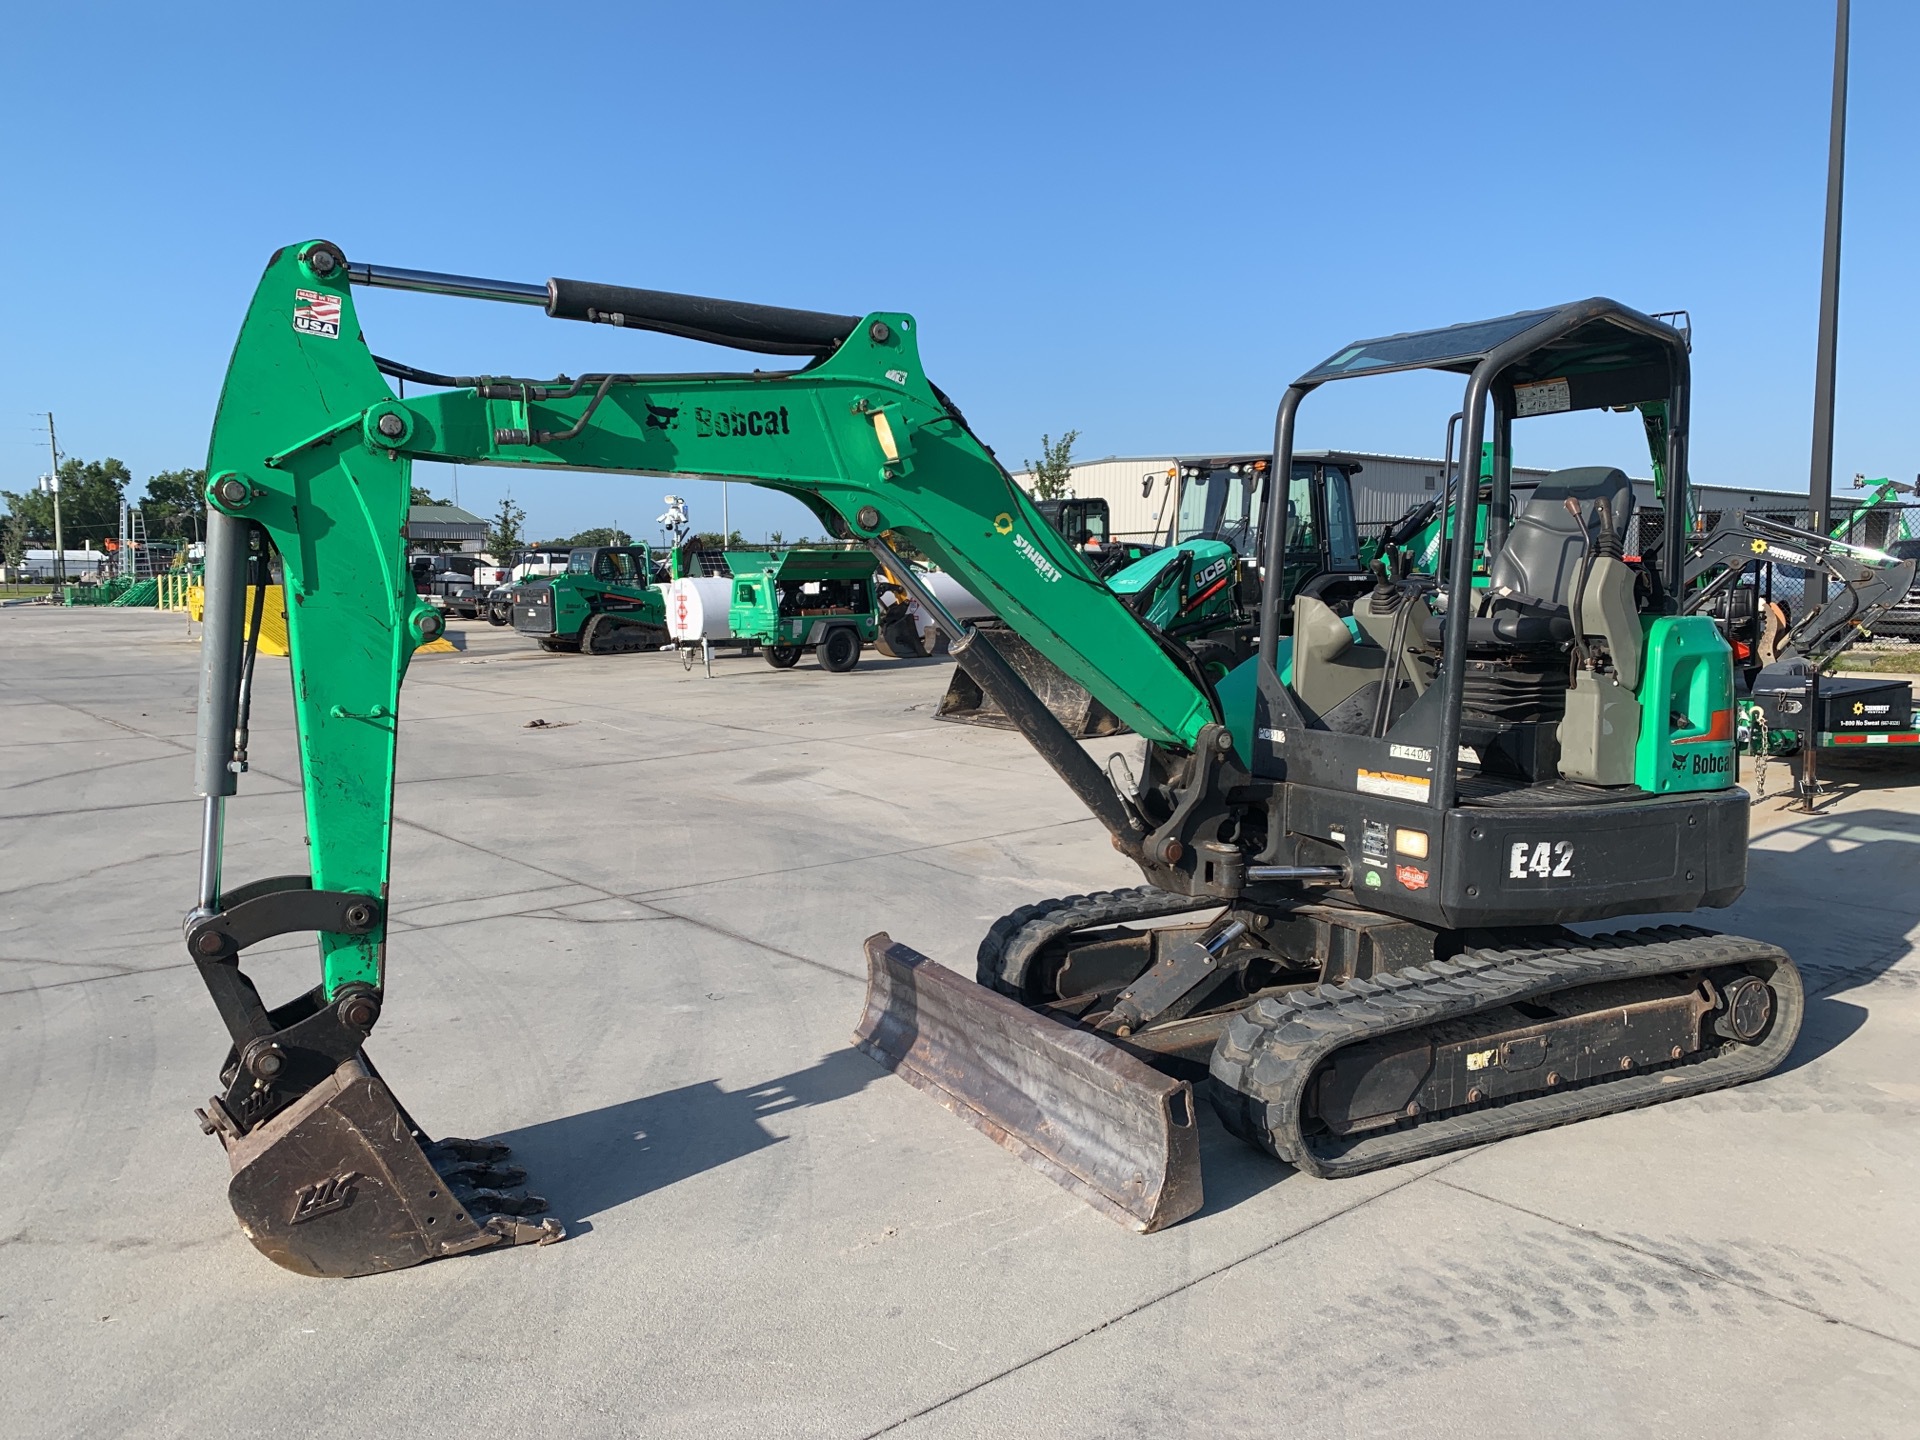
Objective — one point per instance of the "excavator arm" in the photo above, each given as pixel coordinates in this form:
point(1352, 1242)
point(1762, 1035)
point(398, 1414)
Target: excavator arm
point(1857, 584)
point(311, 459)
point(313, 446)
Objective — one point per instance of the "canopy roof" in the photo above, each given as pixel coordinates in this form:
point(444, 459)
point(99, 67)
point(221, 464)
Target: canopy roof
point(1585, 338)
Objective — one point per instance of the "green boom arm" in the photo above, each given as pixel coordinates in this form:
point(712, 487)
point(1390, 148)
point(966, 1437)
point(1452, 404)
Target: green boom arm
point(313, 446)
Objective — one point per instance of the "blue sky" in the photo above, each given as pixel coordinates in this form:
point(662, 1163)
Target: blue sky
point(1136, 221)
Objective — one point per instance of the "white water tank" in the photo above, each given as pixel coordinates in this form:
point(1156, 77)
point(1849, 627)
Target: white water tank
point(952, 594)
point(697, 608)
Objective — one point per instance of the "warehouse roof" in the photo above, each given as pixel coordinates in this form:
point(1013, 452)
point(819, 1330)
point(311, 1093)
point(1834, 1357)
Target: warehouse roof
point(443, 522)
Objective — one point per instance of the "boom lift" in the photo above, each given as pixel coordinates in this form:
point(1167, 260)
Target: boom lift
point(1387, 977)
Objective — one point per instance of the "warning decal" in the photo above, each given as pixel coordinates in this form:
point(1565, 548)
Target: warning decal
point(1546, 397)
point(1385, 782)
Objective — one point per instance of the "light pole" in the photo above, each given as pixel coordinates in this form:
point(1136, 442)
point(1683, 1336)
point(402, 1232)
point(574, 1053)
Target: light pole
point(1820, 481)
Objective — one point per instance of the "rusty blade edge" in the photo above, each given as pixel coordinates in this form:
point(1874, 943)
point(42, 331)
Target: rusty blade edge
point(1092, 1194)
point(1178, 1191)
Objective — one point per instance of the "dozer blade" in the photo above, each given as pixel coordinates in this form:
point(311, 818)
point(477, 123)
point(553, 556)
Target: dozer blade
point(1087, 1115)
point(1072, 704)
point(342, 1183)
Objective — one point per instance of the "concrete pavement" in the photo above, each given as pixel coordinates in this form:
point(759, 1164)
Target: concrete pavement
point(628, 943)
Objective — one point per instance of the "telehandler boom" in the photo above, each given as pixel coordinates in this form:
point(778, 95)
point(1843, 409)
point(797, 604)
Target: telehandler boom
point(1383, 973)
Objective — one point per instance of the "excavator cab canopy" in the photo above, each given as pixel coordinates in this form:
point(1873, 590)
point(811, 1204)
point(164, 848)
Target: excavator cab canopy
point(1585, 355)
point(1591, 347)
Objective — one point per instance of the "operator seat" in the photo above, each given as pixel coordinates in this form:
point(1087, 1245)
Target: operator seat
point(1531, 580)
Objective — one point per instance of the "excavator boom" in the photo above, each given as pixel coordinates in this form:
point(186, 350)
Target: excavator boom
point(310, 461)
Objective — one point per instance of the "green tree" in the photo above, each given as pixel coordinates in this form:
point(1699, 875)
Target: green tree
point(175, 504)
point(504, 535)
point(423, 496)
point(714, 540)
point(90, 492)
point(774, 537)
point(603, 535)
point(13, 542)
point(1054, 470)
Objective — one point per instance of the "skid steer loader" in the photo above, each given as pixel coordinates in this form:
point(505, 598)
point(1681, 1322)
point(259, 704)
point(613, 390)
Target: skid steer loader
point(1368, 838)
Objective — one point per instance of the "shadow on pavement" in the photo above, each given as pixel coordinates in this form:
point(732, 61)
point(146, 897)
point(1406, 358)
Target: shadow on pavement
point(1838, 896)
point(598, 1160)
point(1852, 877)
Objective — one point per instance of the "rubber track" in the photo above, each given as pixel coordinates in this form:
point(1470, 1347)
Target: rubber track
point(1273, 1048)
point(1017, 938)
point(609, 634)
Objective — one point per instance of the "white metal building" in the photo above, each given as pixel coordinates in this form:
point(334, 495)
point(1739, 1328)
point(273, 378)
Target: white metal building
point(1138, 490)
point(40, 564)
point(1142, 494)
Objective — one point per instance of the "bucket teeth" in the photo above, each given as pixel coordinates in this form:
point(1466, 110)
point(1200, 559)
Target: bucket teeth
point(502, 1202)
point(521, 1232)
point(482, 1176)
point(483, 1186)
point(451, 1149)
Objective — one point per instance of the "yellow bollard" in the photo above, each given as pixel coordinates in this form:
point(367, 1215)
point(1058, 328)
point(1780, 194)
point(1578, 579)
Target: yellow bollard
point(273, 621)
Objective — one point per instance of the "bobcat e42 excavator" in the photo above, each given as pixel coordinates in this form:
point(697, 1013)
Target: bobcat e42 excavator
point(1377, 832)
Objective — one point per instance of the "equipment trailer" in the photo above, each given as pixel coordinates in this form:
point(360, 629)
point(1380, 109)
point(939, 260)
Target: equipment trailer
point(1388, 974)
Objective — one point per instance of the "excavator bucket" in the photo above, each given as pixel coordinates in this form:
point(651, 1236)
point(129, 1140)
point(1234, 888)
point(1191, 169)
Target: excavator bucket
point(1083, 1112)
point(343, 1183)
point(898, 638)
point(1072, 704)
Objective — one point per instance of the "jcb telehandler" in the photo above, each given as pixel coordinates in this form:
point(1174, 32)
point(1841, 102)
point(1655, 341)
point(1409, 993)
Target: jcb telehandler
point(1384, 829)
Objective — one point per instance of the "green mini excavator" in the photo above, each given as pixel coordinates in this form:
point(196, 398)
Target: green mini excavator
point(1361, 850)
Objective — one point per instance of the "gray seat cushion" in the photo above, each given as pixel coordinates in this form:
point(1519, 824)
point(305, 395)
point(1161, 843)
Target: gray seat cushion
point(1541, 559)
point(1505, 627)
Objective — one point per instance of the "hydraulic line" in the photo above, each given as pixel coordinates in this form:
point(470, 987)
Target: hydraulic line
point(238, 762)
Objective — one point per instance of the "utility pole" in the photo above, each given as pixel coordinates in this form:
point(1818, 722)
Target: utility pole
point(53, 486)
point(1820, 481)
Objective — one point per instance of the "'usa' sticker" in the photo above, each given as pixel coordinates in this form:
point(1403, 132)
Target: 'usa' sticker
point(316, 314)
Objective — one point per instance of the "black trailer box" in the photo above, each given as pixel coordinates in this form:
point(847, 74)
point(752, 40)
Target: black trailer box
point(1845, 704)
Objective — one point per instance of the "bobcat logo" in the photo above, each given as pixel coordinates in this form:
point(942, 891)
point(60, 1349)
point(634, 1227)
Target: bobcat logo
point(310, 1202)
point(662, 417)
